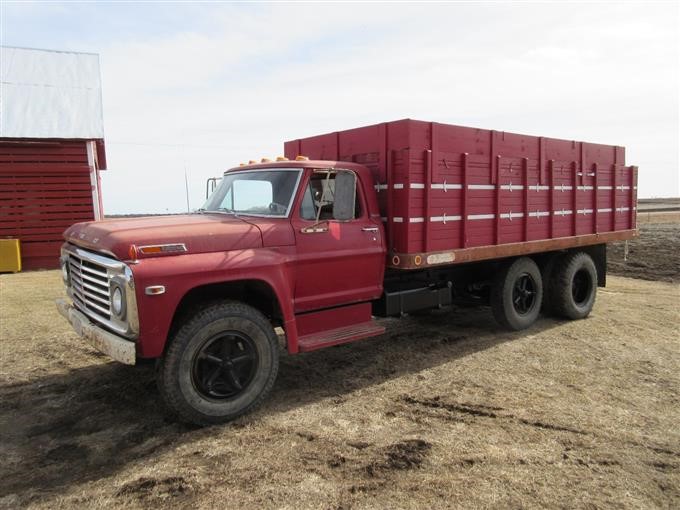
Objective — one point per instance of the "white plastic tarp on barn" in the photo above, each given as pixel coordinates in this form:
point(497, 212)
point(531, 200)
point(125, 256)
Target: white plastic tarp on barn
point(50, 94)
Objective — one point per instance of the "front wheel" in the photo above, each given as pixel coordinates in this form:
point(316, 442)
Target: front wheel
point(517, 293)
point(221, 364)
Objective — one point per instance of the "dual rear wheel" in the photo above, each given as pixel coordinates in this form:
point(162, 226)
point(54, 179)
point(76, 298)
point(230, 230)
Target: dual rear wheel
point(568, 287)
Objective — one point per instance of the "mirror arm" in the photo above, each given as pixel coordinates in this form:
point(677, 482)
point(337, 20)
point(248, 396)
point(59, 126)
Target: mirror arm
point(323, 196)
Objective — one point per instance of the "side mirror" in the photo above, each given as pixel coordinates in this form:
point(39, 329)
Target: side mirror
point(210, 185)
point(345, 194)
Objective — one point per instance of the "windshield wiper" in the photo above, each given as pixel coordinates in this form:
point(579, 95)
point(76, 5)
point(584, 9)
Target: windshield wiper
point(222, 210)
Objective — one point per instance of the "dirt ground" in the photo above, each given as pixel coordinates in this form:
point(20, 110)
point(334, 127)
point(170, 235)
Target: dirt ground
point(444, 410)
point(655, 255)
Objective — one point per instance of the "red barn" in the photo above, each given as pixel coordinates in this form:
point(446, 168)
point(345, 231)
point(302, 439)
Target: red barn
point(51, 148)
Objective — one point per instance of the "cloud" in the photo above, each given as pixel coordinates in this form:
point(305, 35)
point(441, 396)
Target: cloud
point(232, 82)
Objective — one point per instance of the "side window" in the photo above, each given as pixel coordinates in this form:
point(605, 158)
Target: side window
point(319, 198)
point(307, 209)
point(357, 204)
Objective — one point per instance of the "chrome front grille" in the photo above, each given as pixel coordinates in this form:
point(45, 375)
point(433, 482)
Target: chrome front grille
point(91, 279)
point(90, 286)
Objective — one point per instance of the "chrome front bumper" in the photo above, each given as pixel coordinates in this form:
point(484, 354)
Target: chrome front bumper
point(113, 346)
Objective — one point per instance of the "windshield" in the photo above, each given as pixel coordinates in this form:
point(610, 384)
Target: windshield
point(258, 193)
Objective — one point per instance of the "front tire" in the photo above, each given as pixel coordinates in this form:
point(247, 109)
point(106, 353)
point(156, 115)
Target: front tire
point(517, 294)
point(220, 364)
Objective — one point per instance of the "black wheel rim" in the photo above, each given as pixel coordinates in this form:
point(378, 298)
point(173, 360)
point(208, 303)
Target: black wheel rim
point(581, 287)
point(224, 366)
point(524, 294)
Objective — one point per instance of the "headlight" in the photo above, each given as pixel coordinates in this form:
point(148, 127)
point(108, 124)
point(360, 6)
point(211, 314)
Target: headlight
point(117, 301)
point(64, 271)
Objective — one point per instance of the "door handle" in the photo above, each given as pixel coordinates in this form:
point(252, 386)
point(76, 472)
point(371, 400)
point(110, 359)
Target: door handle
point(369, 229)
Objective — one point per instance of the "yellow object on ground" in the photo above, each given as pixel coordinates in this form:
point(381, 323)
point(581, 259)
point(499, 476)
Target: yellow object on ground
point(10, 256)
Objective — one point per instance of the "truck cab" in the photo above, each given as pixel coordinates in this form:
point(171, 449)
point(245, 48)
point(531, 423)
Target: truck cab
point(298, 245)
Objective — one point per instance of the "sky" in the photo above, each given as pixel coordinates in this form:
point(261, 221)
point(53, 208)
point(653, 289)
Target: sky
point(197, 88)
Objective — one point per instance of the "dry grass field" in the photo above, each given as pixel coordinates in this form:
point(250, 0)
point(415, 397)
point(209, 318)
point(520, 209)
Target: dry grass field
point(444, 410)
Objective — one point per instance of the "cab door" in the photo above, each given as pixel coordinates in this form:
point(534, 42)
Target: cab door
point(339, 261)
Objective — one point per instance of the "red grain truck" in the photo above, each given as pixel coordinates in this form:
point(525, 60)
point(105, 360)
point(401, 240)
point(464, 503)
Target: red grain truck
point(377, 221)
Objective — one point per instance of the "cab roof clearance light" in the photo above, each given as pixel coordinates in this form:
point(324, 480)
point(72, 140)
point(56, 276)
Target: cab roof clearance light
point(301, 158)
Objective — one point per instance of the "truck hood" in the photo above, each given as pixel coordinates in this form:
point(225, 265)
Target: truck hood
point(200, 233)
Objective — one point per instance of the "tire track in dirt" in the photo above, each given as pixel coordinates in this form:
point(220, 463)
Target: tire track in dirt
point(498, 413)
point(478, 410)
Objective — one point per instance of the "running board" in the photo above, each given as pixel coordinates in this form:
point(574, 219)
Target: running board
point(339, 336)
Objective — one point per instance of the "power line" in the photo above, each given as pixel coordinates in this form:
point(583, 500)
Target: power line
point(174, 145)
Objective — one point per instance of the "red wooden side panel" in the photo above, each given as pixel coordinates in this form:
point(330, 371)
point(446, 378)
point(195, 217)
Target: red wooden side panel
point(44, 188)
point(443, 187)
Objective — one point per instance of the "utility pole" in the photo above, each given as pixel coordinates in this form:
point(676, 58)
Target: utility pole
point(186, 187)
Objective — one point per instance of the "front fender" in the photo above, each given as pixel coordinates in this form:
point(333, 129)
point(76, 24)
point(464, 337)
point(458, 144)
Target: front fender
point(182, 273)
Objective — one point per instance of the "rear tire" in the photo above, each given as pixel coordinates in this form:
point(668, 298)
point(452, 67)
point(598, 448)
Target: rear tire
point(517, 293)
point(221, 364)
point(573, 286)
